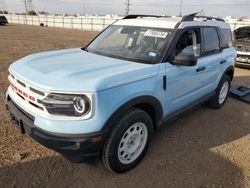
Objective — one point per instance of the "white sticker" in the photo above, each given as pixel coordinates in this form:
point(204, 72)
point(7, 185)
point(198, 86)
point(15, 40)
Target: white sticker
point(158, 34)
point(152, 54)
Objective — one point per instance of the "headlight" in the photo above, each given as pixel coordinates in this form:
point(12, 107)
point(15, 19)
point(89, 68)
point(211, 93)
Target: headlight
point(69, 105)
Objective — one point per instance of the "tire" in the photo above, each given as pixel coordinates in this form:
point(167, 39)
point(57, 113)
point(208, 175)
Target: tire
point(123, 141)
point(219, 99)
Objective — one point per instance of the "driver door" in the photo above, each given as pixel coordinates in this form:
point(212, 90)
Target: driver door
point(185, 83)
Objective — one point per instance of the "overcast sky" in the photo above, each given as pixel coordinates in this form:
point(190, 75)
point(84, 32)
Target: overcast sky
point(222, 8)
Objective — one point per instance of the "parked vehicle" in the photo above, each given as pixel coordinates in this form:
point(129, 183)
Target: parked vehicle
point(107, 99)
point(242, 44)
point(3, 20)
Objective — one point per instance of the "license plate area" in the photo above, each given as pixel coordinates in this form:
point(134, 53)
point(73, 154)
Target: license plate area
point(18, 123)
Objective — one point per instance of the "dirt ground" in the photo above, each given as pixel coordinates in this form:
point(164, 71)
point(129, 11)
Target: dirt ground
point(203, 148)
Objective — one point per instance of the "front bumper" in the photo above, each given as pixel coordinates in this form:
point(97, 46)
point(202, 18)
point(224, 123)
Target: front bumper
point(76, 148)
point(243, 59)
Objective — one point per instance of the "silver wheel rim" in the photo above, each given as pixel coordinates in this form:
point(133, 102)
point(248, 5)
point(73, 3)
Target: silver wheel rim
point(223, 92)
point(132, 143)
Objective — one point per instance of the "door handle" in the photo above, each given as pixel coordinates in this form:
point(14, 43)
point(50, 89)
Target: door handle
point(201, 68)
point(223, 61)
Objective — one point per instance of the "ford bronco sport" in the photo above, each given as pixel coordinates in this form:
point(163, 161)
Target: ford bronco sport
point(106, 99)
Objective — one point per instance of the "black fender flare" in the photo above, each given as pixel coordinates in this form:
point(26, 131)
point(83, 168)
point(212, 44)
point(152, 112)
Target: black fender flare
point(135, 102)
point(230, 68)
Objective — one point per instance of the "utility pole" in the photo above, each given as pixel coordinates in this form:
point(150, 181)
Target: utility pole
point(25, 4)
point(127, 8)
point(84, 9)
point(180, 14)
point(28, 5)
point(3, 6)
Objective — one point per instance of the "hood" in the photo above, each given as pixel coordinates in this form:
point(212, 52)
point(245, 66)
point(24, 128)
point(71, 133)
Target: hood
point(75, 70)
point(242, 39)
point(242, 33)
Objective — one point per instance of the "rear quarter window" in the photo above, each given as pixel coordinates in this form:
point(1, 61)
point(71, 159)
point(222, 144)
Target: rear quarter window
point(211, 41)
point(226, 38)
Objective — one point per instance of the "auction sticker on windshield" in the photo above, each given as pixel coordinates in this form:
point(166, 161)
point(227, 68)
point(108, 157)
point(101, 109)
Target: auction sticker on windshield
point(158, 34)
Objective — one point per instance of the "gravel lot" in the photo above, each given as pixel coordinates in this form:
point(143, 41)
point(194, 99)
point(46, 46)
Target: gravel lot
point(203, 148)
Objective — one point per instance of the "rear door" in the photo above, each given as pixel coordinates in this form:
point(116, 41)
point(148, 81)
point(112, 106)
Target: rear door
point(211, 58)
point(228, 51)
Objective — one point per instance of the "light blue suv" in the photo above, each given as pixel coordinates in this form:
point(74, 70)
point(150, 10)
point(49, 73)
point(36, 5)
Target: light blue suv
point(105, 100)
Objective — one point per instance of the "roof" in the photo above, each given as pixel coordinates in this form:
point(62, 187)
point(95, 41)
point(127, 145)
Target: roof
point(160, 22)
point(170, 22)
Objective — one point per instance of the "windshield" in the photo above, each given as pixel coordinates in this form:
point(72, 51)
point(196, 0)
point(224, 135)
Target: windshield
point(140, 44)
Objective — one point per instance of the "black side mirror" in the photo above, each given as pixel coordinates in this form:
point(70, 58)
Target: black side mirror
point(185, 59)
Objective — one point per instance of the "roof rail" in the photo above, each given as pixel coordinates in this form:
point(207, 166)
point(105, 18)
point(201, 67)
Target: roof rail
point(211, 18)
point(191, 17)
point(133, 16)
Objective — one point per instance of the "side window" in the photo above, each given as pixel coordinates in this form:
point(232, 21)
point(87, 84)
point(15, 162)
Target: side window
point(226, 38)
point(189, 43)
point(211, 40)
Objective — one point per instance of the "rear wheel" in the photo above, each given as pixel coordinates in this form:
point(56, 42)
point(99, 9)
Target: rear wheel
point(128, 141)
point(222, 91)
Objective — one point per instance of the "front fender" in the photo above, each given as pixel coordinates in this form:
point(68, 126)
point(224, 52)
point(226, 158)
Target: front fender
point(112, 103)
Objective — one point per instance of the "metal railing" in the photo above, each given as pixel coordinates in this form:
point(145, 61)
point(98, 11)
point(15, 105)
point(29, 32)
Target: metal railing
point(83, 23)
point(94, 23)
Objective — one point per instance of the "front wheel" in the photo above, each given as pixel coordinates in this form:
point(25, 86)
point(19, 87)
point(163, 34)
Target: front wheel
point(128, 141)
point(222, 91)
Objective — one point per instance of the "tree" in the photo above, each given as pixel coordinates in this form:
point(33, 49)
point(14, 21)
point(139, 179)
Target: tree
point(3, 12)
point(43, 12)
point(31, 13)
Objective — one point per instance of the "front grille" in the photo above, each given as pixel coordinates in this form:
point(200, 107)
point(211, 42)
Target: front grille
point(37, 92)
point(36, 105)
point(21, 83)
point(26, 114)
point(26, 92)
point(243, 56)
point(20, 96)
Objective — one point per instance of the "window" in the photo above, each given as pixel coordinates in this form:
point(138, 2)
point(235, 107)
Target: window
point(115, 39)
point(211, 40)
point(189, 43)
point(140, 44)
point(226, 38)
